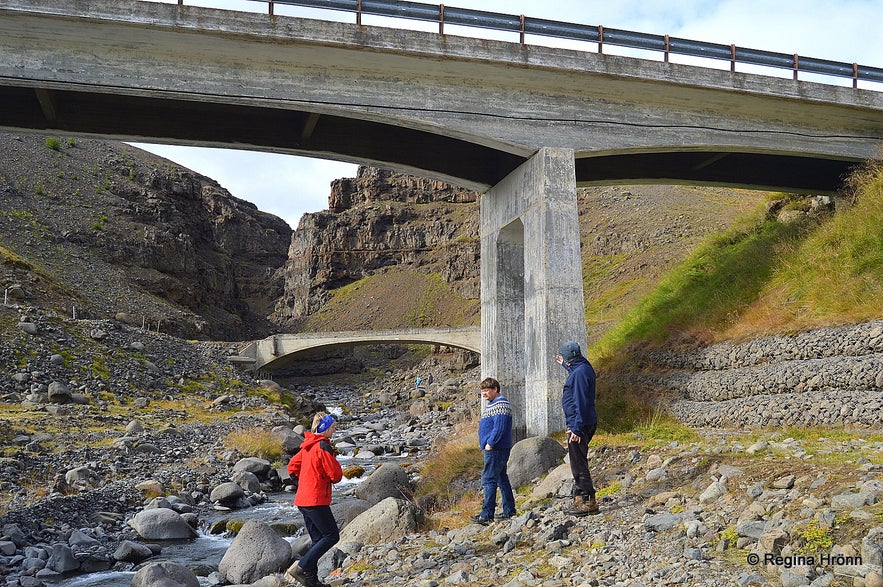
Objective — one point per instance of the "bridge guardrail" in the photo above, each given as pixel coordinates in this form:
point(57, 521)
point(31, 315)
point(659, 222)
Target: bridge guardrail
point(594, 34)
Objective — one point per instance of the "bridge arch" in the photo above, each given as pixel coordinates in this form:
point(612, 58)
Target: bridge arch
point(278, 350)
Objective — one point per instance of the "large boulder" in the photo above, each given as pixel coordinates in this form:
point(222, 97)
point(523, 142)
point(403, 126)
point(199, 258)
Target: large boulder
point(290, 440)
point(558, 483)
point(161, 524)
point(260, 467)
point(533, 457)
point(59, 393)
point(257, 551)
point(132, 552)
point(348, 510)
point(387, 480)
point(247, 481)
point(230, 495)
point(164, 574)
point(387, 521)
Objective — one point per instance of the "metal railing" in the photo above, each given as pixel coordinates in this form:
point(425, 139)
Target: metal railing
point(524, 25)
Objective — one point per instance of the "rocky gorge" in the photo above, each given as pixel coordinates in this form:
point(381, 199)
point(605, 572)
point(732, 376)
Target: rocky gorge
point(122, 437)
point(692, 509)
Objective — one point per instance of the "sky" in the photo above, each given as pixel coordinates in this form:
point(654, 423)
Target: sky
point(846, 30)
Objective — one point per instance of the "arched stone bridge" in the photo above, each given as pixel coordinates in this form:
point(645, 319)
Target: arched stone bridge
point(277, 350)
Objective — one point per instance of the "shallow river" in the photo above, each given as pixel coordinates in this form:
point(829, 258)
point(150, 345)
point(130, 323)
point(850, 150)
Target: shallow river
point(207, 550)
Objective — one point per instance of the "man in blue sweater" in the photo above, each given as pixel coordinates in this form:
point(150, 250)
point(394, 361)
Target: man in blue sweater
point(495, 439)
point(578, 401)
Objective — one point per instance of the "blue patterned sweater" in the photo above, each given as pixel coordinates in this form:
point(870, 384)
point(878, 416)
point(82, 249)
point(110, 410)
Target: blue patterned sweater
point(495, 426)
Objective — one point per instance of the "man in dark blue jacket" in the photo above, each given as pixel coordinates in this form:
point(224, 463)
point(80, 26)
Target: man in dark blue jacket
point(578, 401)
point(495, 439)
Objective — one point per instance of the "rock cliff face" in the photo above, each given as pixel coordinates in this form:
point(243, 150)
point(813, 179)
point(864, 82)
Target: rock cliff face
point(120, 231)
point(378, 220)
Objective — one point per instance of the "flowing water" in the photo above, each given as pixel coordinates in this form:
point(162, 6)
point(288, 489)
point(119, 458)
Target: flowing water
point(206, 551)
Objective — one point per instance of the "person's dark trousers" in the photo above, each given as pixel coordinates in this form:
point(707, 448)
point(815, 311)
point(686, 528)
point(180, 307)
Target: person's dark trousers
point(579, 463)
point(322, 527)
point(494, 475)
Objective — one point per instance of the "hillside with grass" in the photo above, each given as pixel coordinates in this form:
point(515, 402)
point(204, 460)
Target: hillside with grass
point(767, 276)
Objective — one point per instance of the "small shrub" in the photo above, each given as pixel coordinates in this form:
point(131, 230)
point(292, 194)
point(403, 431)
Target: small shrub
point(729, 537)
point(813, 538)
point(53, 143)
point(255, 442)
point(611, 489)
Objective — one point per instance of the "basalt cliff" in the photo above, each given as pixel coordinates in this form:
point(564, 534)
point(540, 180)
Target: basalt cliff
point(104, 230)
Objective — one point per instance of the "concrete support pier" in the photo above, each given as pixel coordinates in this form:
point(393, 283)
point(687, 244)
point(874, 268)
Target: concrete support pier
point(531, 287)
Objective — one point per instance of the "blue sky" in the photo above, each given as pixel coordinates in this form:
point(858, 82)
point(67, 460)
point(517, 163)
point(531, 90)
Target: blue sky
point(288, 186)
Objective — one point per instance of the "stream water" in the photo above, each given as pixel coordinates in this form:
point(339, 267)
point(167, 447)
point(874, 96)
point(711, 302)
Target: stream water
point(206, 551)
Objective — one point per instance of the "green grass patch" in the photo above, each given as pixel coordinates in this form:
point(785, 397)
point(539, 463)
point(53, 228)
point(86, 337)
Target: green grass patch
point(710, 289)
point(10, 259)
point(838, 270)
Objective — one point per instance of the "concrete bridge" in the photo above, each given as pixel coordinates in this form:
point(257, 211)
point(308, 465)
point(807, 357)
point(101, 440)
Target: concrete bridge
point(524, 124)
point(276, 351)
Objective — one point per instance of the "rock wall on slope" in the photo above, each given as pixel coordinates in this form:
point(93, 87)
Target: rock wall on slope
point(118, 230)
point(375, 221)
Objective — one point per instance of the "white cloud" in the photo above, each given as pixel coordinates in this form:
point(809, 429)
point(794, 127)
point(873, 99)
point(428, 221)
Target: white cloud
point(847, 30)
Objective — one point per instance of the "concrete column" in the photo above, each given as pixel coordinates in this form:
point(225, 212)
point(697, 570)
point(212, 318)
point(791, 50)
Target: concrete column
point(531, 286)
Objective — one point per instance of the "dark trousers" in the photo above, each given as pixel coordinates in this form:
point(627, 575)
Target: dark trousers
point(322, 527)
point(579, 463)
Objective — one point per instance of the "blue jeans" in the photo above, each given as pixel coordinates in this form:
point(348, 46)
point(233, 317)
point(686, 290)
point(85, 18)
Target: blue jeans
point(494, 475)
point(322, 528)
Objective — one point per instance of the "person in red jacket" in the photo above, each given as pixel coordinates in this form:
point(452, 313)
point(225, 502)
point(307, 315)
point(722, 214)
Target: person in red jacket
point(316, 469)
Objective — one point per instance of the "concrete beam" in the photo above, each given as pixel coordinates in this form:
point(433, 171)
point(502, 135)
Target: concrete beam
point(532, 291)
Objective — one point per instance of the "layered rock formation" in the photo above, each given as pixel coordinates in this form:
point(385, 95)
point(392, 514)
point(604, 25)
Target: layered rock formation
point(120, 231)
point(377, 220)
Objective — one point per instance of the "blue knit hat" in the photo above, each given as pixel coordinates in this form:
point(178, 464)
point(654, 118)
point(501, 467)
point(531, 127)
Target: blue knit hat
point(569, 351)
point(325, 423)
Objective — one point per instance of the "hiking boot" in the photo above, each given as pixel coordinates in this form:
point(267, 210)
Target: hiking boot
point(479, 520)
point(583, 507)
point(296, 574)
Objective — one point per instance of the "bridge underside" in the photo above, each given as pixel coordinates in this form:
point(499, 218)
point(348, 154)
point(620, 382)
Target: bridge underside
point(767, 171)
point(239, 126)
point(465, 163)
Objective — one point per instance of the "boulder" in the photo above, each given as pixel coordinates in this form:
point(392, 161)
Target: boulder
point(247, 481)
point(387, 521)
point(161, 524)
point(59, 393)
point(259, 467)
point(62, 559)
point(257, 551)
point(872, 547)
point(132, 552)
point(164, 574)
point(553, 484)
point(387, 480)
point(228, 494)
point(533, 457)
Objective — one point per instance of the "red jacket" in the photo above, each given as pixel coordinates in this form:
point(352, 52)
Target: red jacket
point(316, 469)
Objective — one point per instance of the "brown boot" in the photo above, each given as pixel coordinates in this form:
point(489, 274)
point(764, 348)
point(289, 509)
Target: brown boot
point(583, 507)
point(577, 508)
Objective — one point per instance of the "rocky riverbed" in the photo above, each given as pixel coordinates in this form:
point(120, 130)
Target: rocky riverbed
point(146, 421)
